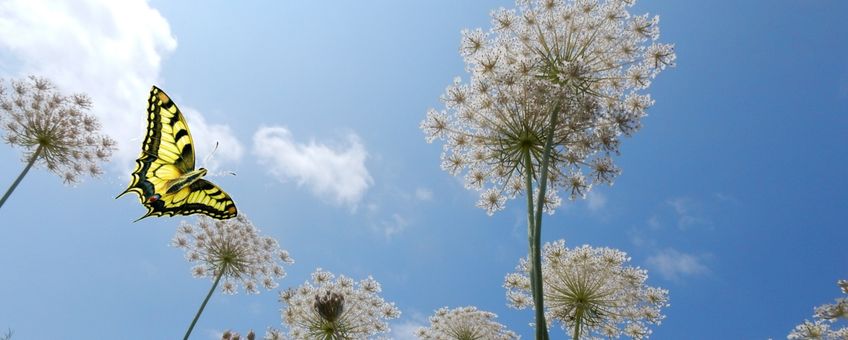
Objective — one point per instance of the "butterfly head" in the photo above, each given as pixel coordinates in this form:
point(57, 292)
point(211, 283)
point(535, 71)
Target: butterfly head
point(202, 171)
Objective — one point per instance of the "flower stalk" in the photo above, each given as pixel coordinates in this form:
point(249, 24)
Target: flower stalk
point(32, 160)
point(203, 305)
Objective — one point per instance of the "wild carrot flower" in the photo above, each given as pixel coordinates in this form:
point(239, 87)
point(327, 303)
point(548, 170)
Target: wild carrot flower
point(336, 308)
point(230, 335)
point(591, 292)
point(231, 250)
point(553, 87)
point(827, 315)
point(587, 62)
point(53, 130)
point(273, 334)
point(464, 323)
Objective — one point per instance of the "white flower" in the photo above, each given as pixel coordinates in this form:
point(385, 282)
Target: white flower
point(585, 61)
point(591, 287)
point(464, 323)
point(336, 308)
point(827, 315)
point(54, 128)
point(233, 249)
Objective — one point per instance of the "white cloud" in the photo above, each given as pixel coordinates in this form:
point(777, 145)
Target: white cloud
point(423, 194)
point(206, 135)
point(336, 172)
point(405, 330)
point(111, 50)
point(686, 211)
point(393, 226)
point(596, 201)
point(674, 265)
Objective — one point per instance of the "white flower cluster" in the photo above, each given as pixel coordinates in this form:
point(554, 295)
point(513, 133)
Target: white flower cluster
point(233, 249)
point(336, 308)
point(572, 71)
point(826, 316)
point(54, 128)
point(591, 291)
point(464, 323)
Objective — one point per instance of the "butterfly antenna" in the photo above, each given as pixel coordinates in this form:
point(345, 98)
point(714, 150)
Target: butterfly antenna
point(208, 157)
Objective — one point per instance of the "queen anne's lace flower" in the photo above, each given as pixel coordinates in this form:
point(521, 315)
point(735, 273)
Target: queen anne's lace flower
point(230, 335)
point(464, 323)
point(336, 308)
point(53, 128)
point(827, 315)
point(594, 288)
point(234, 249)
point(585, 60)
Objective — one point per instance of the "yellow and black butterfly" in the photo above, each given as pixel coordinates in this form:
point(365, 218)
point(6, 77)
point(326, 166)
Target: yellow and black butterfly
point(164, 177)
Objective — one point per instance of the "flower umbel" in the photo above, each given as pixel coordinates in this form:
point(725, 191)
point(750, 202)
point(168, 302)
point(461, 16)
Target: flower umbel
point(234, 249)
point(53, 129)
point(591, 292)
point(465, 323)
point(231, 250)
point(587, 62)
point(336, 308)
point(827, 315)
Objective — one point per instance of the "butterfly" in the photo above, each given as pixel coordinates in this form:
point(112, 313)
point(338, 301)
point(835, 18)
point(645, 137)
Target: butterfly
point(164, 177)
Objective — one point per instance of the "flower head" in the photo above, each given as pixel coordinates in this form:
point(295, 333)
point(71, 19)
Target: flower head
point(336, 308)
point(827, 315)
point(591, 287)
point(464, 323)
point(583, 62)
point(230, 335)
point(234, 249)
point(54, 128)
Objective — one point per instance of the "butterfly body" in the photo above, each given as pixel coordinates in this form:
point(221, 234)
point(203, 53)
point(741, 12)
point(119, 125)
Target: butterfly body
point(165, 178)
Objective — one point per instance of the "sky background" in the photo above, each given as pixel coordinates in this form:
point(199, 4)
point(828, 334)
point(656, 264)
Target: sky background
point(732, 195)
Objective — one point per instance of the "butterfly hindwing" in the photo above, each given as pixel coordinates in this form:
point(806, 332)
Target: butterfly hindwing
point(167, 155)
point(201, 197)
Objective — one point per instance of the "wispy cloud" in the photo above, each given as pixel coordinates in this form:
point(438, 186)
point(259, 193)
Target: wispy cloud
point(674, 265)
point(393, 226)
point(111, 50)
point(206, 136)
point(423, 194)
point(405, 330)
point(687, 212)
point(335, 172)
point(596, 201)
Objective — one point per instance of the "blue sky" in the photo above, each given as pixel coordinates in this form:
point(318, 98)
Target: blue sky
point(732, 194)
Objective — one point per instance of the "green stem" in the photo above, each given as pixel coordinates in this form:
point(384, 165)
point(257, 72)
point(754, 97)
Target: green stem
point(21, 176)
point(535, 253)
point(203, 305)
point(579, 318)
point(536, 242)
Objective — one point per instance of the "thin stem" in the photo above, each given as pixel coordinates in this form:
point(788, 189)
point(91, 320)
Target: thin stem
point(535, 253)
point(203, 305)
point(579, 319)
point(536, 243)
point(21, 176)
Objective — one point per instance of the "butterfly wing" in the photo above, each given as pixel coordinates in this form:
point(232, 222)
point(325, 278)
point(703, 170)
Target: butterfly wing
point(200, 197)
point(167, 154)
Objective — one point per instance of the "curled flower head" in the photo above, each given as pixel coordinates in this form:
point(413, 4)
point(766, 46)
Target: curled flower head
point(233, 249)
point(572, 72)
point(54, 128)
point(464, 323)
point(336, 308)
point(827, 316)
point(230, 335)
point(592, 288)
